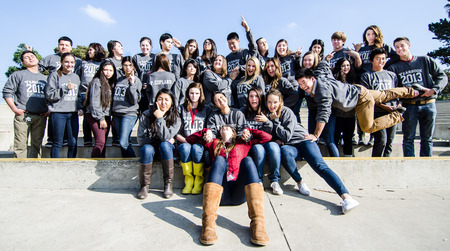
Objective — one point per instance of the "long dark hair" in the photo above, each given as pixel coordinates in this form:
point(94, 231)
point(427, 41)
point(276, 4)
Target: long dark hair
point(350, 77)
point(288, 52)
point(128, 59)
point(161, 61)
point(213, 51)
point(99, 53)
point(171, 115)
point(322, 45)
point(187, 100)
point(197, 67)
point(378, 41)
point(111, 46)
point(248, 111)
point(106, 86)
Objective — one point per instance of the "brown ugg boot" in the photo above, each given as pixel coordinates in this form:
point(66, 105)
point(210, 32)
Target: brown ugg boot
point(145, 175)
point(254, 193)
point(212, 193)
point(168, 177)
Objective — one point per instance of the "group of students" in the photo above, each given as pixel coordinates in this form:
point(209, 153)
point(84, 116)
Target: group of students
point(231, 114)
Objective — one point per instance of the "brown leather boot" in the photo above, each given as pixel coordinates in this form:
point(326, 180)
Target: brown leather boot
point(254, 193)
point(212, 193)
point(168, 177)
point(145, 175)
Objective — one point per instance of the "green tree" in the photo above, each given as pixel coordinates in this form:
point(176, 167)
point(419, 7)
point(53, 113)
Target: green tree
point(445, 94)
point(79, 51)
point(16, 59)
point(441, 31)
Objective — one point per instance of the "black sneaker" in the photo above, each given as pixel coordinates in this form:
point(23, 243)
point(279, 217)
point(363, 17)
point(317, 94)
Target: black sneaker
point(88, 143)
point(116, 143)
point(418, 88)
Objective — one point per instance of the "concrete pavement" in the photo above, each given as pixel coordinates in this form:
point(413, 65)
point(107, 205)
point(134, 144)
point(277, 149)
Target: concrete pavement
point(65, 219)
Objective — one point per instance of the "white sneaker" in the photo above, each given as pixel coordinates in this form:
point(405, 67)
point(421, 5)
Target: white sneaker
point(276, 189)
point(303, 189)
point(348, 205)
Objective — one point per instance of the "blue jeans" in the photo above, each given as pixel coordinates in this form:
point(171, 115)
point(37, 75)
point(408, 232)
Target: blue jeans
point(190, 152)
point(64, 122)
point(311, 153)
point(328, 131)
point(233, 191)
point(124, 126)
point(426, 116)
point(147, 152)
point(259, 152)
point(207, 160)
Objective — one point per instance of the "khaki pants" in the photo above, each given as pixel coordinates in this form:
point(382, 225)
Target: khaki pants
point(28, 125)
point(366, 105)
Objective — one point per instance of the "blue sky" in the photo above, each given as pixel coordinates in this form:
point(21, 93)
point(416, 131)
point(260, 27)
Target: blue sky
point(41, 23)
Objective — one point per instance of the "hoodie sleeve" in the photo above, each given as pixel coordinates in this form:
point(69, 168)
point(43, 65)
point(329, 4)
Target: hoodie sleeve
point(94, 97)
point(438, 75)
point(213, 82)
point(252, 46)
point(176, 90)
point(259, 137)
point(11, 86)
point(143, 134)
point(166, 133)
point(53, 92)
point(134, 91)
point(197, 137)
point(284, 126)
point(324, 100)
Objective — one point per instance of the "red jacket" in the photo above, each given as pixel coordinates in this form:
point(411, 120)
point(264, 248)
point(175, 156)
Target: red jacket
point(239, 152)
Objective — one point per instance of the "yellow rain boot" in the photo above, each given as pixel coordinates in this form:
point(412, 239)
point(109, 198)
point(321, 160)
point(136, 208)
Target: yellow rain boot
point(188, 178)
point(198, 181)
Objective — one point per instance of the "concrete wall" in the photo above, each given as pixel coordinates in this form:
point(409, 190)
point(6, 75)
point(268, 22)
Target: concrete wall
point(356, 173)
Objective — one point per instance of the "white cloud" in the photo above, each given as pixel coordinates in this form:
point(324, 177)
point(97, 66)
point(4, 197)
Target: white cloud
point(292, 25)
point(99, 14)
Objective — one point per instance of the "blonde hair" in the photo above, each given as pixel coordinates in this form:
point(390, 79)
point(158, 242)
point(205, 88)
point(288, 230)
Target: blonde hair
point(221, 144)
point(255, 74)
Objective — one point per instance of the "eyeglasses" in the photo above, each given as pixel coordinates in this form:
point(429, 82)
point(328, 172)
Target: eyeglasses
point(127, 65)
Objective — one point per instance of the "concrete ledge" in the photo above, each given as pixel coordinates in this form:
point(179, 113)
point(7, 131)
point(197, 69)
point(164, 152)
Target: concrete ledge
point(85, 151)
point(393, 172)
point(356, 173)
point(442, 131)
point(114, 151)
